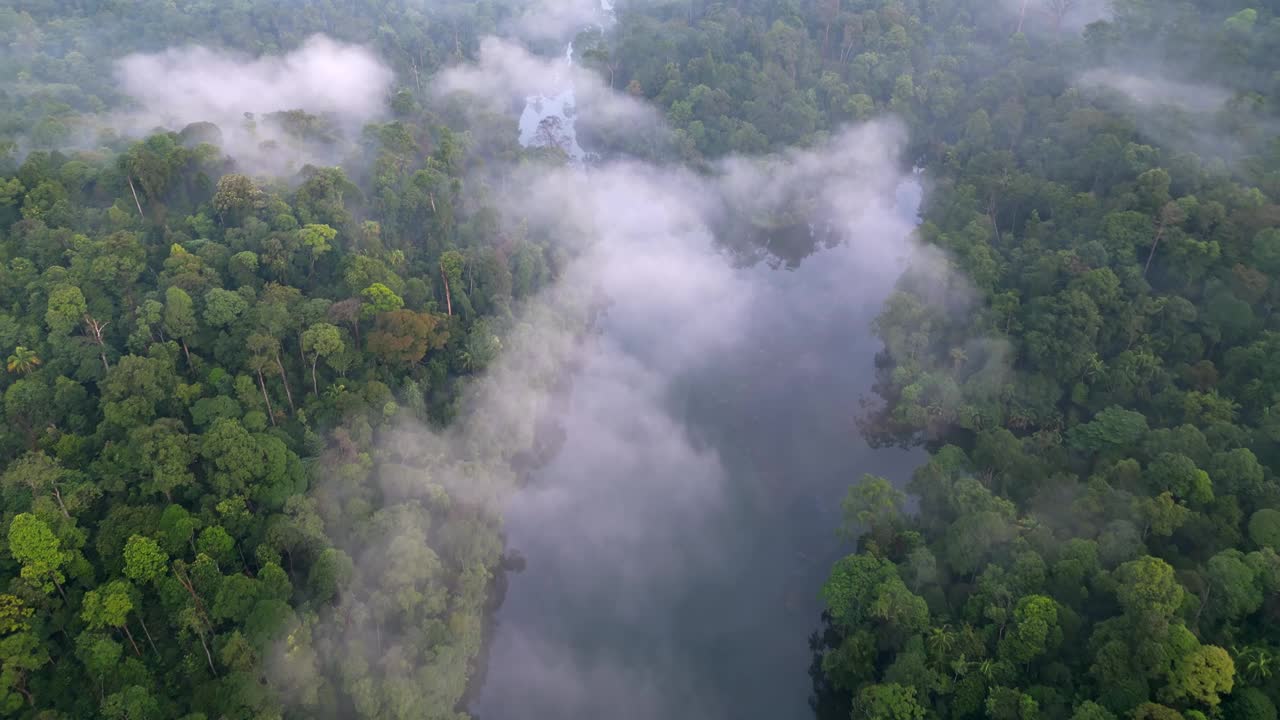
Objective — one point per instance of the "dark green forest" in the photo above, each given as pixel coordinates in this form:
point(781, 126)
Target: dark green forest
point(207, 367)
point(1095, 534)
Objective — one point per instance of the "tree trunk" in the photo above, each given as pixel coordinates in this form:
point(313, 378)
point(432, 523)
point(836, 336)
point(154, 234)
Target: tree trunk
point(285, 379)
point(207, 656)
point(1151, 255)
point(94, 328)
point(187, 352)
point(262, 384)
point(147, 632)
point(846, 48)
point(135, 197)
point(448, 302)
point(129, 635)
point(204, 615)
point(315, 388)
point(58, 496)
point(1022, 15)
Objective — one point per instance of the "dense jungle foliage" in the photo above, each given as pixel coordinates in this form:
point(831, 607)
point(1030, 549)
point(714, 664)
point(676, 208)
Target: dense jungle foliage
point(201, 362)
point(1096, 533)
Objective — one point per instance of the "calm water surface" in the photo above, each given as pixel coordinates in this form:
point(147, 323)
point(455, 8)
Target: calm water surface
point(673, 569)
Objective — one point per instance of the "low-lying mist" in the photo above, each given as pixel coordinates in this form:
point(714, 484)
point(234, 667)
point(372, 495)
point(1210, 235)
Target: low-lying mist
point(1195, 117)
point(1150, 91)
point(338, 86)
point(700, 436)
point(635, 502)
point(194, 83)
point(554, 20)
point(1055, 17)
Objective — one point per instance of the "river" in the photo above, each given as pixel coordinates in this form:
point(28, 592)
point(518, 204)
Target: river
point(664, 583)
point(677, 541)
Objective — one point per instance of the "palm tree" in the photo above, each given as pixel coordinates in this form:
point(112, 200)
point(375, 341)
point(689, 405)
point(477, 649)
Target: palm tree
point(986, 668)
point(1261, 665)
point(23, 361)
point(1258, 662)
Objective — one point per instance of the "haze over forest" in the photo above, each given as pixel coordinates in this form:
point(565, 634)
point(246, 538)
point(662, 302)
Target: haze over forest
point(519, 359)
